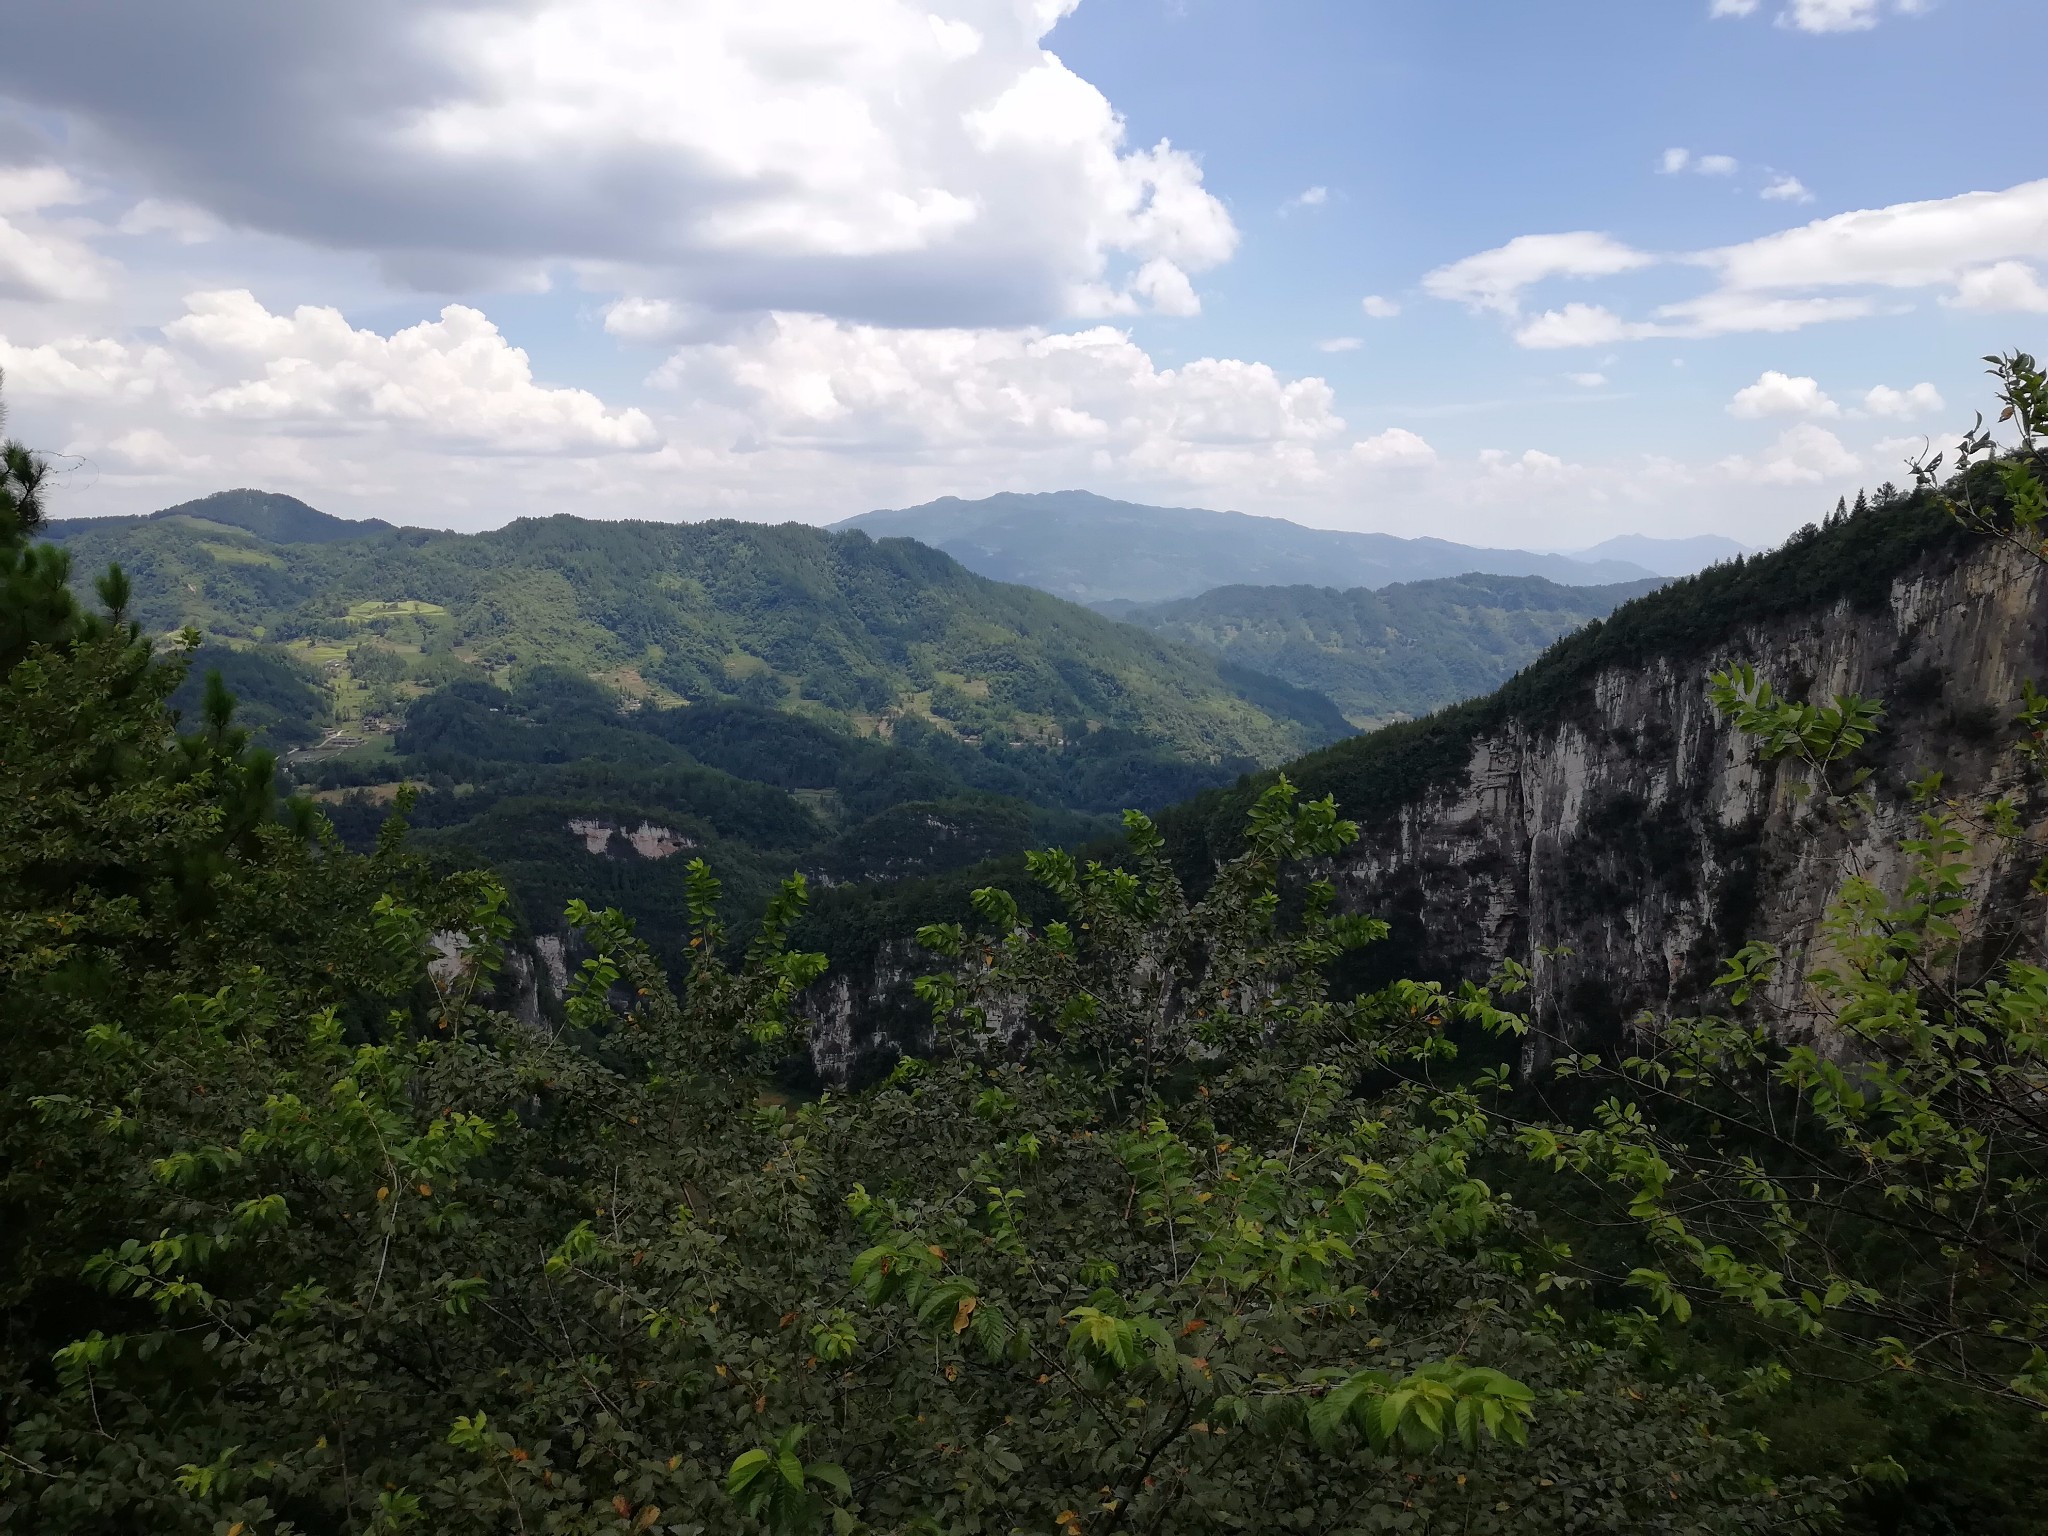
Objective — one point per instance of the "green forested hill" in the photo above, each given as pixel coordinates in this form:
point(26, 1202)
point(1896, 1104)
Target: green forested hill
point(267, 514)
point(860, 633)
point(1392, 654)
point(773, 697)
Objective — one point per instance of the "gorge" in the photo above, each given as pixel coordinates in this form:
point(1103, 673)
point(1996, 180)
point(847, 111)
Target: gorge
point(1596, 820)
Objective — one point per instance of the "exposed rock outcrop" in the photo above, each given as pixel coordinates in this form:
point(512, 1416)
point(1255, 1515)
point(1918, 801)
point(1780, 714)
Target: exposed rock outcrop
point(864, 1018)
point(647, 840)
point(1621, 846)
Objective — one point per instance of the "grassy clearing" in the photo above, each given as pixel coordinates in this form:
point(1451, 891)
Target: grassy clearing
point(241, 554)
point(377, 794)
point(629, 684)
point(392, 608)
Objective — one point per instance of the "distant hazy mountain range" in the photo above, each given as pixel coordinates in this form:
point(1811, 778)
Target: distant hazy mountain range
point(1093, 550)
point(1667, 557)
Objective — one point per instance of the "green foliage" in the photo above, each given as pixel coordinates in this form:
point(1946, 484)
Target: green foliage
point(1878, 1188)
point(300, 1234)
point(1818, 735)
point(21, 490)
point(1999, 494)
point(773, 1485)
point(281, 704)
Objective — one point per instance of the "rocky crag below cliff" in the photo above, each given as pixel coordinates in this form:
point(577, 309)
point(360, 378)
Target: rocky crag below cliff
point(1599, 822)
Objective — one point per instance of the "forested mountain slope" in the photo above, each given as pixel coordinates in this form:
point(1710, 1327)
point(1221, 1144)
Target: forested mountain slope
point(1401, 651)
point(269, 515)
point(299, 1232)
point(839, 626)
point(771, 698)
point(1096, 550)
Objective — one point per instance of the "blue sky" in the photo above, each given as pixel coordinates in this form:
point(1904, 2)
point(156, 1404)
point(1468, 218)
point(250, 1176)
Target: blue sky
point(1442, 130)
point(1668, 266)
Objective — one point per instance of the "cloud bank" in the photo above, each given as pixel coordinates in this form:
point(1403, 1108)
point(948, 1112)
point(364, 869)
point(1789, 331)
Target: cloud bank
point(1979, 247)
point(916, 164)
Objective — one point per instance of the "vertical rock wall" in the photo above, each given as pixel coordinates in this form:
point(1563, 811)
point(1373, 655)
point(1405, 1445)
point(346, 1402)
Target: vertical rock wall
point(1623, 847)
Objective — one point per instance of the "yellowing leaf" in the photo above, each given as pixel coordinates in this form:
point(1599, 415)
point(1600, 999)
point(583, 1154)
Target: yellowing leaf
point(963, 1312)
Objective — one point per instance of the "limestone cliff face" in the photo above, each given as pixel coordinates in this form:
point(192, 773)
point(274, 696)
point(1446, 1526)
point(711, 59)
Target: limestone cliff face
point(863, 1019)
point(1622, 846)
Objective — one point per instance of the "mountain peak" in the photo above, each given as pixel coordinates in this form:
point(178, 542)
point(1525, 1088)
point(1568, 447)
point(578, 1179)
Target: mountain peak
point(1667, 557)
point(274, 516)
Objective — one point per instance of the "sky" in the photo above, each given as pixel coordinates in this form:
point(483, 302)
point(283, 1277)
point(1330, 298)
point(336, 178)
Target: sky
point(1509, 273)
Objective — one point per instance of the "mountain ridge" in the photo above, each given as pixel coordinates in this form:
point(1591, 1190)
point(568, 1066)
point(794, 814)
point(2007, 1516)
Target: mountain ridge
point(1094, 549)
point(269, 515)
point(1667, 557)
point(869, 634)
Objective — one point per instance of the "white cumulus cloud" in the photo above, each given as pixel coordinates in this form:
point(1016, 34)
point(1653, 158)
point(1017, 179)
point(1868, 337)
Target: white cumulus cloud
point(1786, 189)
point(1166, 288)
point(1673, 161)
point(1802, 455)
point(1496, 279)
point(1779, 394)
point(228, 362)
point(1396, 447)
point(2005, 287)
point(39, 262)
point(909, 161)
point(184, 223)
point(1576, 325)
point(1831, 15)
point(1919, 400)
point(453, 379)
point(1378, 308)
point(1977, 245)
point(86, 370)
point(1824, 16)
point(1907, 245)
point(1075, 399)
